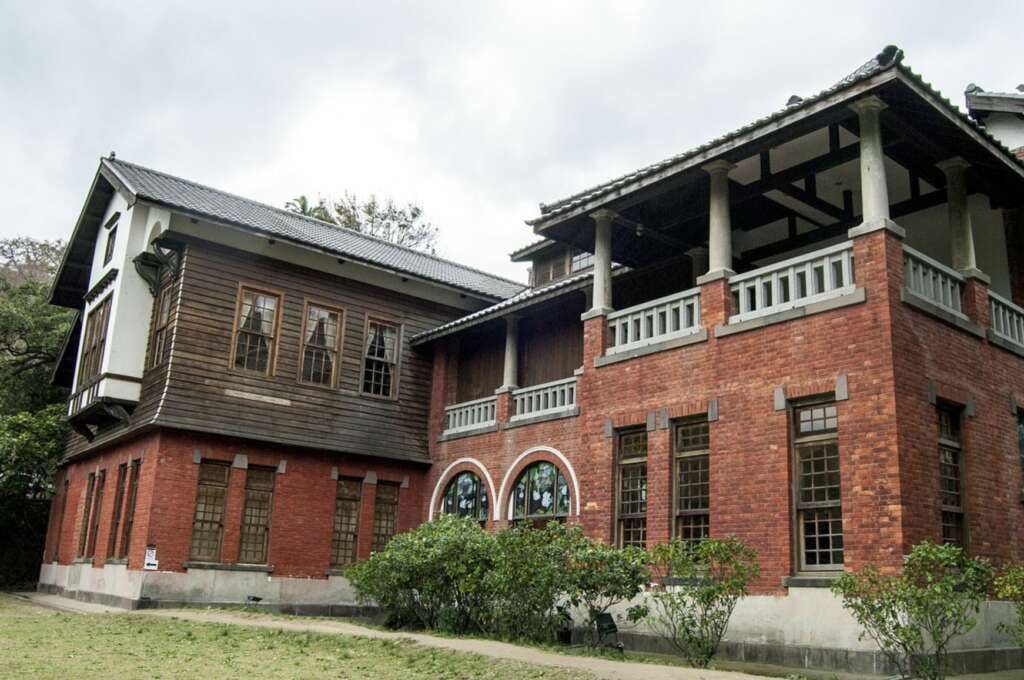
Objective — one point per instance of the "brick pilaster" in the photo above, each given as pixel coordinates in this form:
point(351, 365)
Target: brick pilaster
point(975, 301)
point(715, 303)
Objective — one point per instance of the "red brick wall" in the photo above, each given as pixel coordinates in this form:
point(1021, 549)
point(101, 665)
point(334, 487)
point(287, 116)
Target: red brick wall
point(750, 458)
point(303, 506)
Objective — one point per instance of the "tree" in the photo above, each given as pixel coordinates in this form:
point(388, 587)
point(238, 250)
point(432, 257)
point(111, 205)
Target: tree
point(401, 225)
point(31, 409)
point(914, 615)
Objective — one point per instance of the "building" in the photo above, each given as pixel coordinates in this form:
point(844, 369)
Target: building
point(808, 333)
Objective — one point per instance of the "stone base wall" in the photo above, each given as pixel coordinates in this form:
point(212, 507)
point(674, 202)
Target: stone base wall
point(806, 629)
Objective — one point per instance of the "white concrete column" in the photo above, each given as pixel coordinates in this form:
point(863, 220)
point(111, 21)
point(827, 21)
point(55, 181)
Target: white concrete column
point(874, 190)
point(719, 222)
point(510, 378)
point(602, 297)
point(960, 227)
point(698, 260)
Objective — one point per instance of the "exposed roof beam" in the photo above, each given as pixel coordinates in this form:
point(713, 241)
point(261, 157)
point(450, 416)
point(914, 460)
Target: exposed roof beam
point(896, 210)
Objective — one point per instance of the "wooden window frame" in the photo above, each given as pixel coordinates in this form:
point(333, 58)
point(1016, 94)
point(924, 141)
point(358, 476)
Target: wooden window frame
point(1020, 436)
point(681, 454)
point(94, 342)
point(160, 330)
point(97, 511)
point(108, 248)
point(135, 470)
point(577, 255)
point(339, 561)
point(242, 530)
point(275, 339)
point(338, 343)
point(55, 555)
point(396, 366)
point(955, 446)
point(823, 436)
point(223, 511)
point(116, 516)
point(378, 544)
point(83, 530)
point(621, 465)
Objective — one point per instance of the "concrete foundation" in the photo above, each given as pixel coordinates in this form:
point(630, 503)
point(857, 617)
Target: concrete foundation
point(807, 628)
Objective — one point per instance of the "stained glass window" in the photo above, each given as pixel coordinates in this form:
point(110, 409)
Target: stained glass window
point(540, 493)
point(465, 496)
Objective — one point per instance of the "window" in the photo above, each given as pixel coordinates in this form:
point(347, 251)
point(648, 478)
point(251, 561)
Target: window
point(549, 268)
point(208, 522)
point(97, 506)
point(1020, 436)
point(385, 514)
point(115, 520)
point(380, 359)
point(108, 253)
point(581, 259)
point(540, 495)
point(160, 343)
point(256, 331)
point(951, 476)
point(94, 339)
point(129, 517)
point(465, 496)
point(631, 452)
point(55, 555)
point(320, 345)
point(345, 538)
point(259, 499)
point(819, 515)
point(83, 532)
point(691, 446)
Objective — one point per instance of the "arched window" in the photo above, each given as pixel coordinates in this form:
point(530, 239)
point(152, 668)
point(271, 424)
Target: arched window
point(540, 494)
point(465, 496)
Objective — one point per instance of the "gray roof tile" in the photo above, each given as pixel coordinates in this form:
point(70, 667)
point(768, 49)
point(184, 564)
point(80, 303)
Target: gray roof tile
point(189, 196)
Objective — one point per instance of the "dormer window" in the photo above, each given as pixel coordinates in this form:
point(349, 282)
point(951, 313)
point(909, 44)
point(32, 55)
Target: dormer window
point(111, 225)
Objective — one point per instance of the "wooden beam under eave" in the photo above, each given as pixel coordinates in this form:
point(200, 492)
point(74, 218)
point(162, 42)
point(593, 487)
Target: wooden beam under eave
point(897, 210)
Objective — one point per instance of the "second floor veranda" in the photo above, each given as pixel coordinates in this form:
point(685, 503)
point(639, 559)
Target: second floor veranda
point(762, 227)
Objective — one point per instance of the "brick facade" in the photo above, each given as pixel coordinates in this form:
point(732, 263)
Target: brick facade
point(881, 351)
point(302, 512)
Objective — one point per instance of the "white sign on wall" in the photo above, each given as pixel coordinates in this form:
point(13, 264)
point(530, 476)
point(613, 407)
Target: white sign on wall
point(150, 563)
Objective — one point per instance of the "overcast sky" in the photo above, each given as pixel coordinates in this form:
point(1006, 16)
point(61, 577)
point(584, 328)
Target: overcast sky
point(475, 110)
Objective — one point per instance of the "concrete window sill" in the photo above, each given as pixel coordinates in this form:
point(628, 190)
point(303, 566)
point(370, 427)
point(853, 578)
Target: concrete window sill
point(805, 581)
point(265, 568)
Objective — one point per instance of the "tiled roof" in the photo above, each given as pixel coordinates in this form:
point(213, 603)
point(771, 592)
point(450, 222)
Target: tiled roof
point(888, 58)
point(175, 192)
point(526, 298)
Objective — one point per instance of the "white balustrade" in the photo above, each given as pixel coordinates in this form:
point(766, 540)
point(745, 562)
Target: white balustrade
point(541, 400)
point(796, 282)
point(667, 318)
point(933, 281)
point(1007, 319)
point(470, 415)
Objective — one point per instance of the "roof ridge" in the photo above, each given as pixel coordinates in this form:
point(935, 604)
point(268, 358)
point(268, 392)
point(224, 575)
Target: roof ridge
point(285, 211)
point(889, 57)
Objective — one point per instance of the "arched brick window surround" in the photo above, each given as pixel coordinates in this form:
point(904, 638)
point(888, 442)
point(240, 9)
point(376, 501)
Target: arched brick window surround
point(528, 457)
point(454, 468)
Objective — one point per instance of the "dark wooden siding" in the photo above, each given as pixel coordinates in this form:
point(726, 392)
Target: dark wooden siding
point(481, 363)
point(339, 418)
point(551, 341)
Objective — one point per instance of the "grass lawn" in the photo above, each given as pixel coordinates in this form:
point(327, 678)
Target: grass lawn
point(40, 643)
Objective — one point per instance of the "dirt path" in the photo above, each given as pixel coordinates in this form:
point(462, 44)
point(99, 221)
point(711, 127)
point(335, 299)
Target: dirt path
point(601, 668)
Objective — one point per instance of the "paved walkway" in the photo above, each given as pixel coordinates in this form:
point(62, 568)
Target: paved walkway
point(601, 668)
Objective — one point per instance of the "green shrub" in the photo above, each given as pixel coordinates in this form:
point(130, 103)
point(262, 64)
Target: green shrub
point(601, 576)
point(698, 591)
point(913, 615)
point(1010, 586)
point(432, 576)
point(529, 578)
